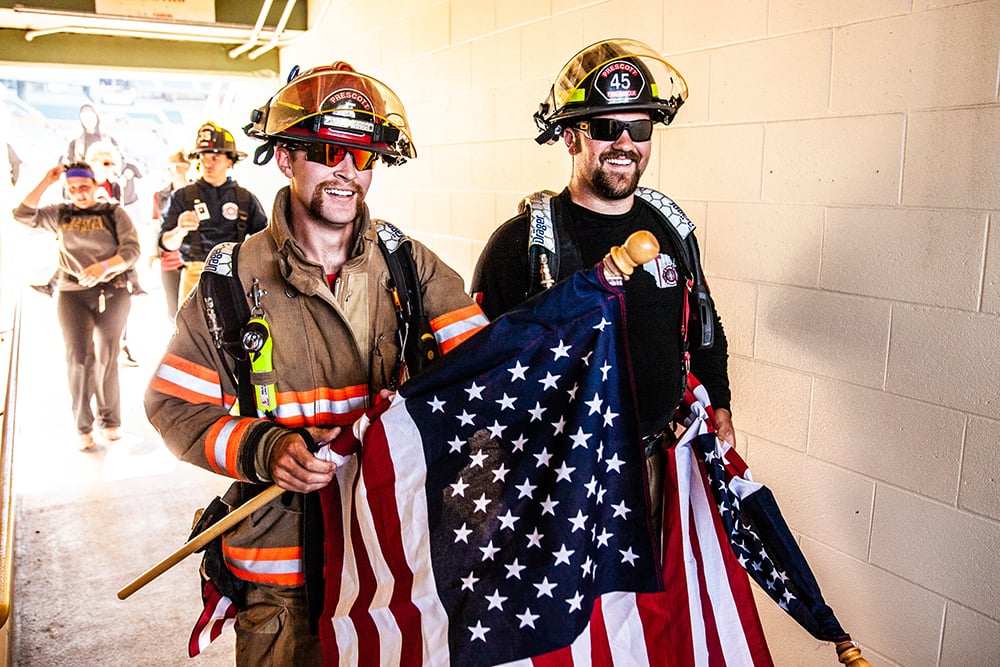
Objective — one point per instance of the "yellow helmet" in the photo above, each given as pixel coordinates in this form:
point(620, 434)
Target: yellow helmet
point(607, 77)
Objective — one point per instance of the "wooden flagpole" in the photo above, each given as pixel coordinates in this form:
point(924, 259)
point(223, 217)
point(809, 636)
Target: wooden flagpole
point(203, 538)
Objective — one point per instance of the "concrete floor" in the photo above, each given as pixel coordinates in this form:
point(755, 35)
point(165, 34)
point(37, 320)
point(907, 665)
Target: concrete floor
point(89, 523)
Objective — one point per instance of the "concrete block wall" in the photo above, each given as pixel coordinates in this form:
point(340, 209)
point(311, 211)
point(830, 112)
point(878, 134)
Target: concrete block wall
point(842, 163)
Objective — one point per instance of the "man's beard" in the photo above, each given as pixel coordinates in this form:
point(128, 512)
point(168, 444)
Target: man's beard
point(614, 186)
point(318, 200)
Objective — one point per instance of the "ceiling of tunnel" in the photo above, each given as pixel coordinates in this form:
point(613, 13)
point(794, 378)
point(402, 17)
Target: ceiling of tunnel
point(202, 35)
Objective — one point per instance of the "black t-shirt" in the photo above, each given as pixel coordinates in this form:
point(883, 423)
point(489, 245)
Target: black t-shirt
point(653, 303)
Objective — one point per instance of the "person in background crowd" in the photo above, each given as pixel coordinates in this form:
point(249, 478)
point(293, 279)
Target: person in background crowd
point(212, 210)
point(97, 244)
point(171, 263)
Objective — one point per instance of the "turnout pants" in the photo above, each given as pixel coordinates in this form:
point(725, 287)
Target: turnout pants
point(92, 321)
point(273, 630)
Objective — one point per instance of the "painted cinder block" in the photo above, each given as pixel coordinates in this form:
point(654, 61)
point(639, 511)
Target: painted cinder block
point(878, 608)
point(770, 402)
point(471, 19)
point(470, 214)
point(719, 162)
point(826, 502)
point(765, 242)
point(944, 549)
point(905, 442)
point(795, 15)
point(980, 487)
point(637, 19)
point(823, 333)
point(897, 254)
point(952, 158)
point(970, 639)
point(697, 25)
point(695, 67)
point(496, 60)
point(510, 13)
point(945, 357)
point(546, 46)
point(431, 28)
point(909, 62)
point(991, 281)
point(849, 160)
point(736, 302)
point(777, 78)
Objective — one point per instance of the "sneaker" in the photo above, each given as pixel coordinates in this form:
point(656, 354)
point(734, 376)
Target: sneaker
point(47, 289)
point(126, 358)
point(110, 433)
point(87, 443)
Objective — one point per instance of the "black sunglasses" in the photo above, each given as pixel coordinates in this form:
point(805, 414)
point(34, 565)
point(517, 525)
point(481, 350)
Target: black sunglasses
point(609, 129)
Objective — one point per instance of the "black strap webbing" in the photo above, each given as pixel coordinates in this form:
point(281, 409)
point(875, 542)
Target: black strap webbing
point(231, 313)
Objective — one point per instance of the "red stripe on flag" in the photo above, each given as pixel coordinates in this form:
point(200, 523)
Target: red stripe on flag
point(219, 613)
point(333, 524)
point(600, 648)
point(678, 629)
point(389, 534)
point(709, 623)
point(367, 632)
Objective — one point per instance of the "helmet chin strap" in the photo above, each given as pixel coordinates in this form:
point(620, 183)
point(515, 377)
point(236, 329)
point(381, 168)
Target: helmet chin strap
point(264, 153)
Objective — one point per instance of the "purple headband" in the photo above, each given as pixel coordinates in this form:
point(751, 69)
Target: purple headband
point(80, 172)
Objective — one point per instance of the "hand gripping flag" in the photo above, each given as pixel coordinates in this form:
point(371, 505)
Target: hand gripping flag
point(497, 511)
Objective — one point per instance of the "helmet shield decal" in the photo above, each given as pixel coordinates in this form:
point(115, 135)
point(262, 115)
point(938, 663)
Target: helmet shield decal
point(621, 82)
point(350, 111)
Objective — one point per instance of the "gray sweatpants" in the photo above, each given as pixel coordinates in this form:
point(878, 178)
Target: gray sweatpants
point(92, 338)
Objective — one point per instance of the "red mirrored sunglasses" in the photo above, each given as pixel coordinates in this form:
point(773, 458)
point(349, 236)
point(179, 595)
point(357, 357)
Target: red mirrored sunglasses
point(331, 155)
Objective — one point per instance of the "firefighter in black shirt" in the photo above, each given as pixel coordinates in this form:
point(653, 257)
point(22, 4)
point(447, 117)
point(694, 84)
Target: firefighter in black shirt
point(603, 107)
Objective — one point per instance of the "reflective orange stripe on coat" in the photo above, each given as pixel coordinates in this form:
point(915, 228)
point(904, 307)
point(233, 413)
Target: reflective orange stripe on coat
point(189, 382)
point(278, 566)
point(453, 328)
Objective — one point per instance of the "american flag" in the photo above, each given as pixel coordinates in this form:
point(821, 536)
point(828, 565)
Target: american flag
point(218, 615)
point(748, 518)
point(497, 511)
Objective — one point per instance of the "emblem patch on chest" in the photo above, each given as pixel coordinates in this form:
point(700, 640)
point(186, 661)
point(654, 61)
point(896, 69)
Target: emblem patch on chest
point(663, 268)
point(230, 210)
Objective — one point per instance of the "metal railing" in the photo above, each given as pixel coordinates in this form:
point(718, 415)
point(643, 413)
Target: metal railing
point(6, 474)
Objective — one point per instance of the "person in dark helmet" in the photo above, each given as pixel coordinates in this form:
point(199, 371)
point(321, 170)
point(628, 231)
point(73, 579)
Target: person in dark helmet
point(320, 281)
point(212, 210)
point(603, 107)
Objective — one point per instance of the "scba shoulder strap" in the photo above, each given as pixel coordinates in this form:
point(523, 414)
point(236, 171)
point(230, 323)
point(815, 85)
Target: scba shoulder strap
point(227, 313)
point(417, 344)
point(546, 245)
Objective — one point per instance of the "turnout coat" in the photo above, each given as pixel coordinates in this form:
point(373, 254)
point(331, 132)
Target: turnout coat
point(333, 350)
